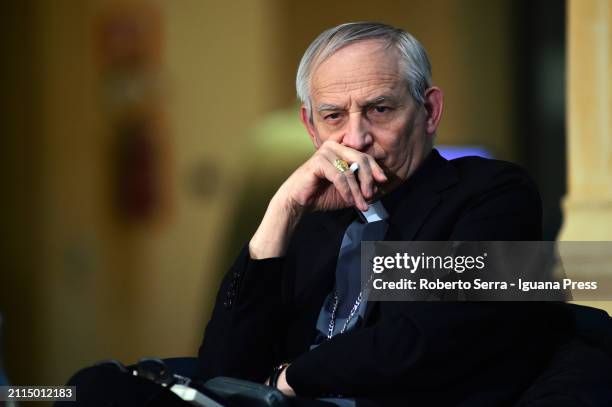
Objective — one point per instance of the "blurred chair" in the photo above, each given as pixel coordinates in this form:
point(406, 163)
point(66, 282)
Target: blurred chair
point(580, 371)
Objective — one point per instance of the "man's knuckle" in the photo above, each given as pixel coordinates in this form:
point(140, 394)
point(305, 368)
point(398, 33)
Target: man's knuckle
point(318, 159)
point(327, 145)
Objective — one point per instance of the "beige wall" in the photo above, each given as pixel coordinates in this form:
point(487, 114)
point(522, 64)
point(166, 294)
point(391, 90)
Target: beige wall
point(107, 289)
point(588, 205)
point(146, 289)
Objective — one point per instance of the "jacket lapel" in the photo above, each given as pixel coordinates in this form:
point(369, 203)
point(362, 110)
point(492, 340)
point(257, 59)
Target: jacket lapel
point(406, 222)
point(412, 203)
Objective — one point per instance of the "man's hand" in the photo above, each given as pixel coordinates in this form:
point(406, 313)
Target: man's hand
point(319, 185)
point(316, 185)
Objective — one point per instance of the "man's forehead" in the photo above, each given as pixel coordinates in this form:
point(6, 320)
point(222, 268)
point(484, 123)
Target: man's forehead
point(363, 70)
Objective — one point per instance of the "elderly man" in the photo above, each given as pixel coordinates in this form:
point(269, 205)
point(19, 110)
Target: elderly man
point(291, 311)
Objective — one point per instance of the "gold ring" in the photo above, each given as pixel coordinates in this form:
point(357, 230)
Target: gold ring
point(341, 165)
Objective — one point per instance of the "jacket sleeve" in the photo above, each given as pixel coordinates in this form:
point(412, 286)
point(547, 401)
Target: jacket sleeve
point(242, 335)
point(416, 346)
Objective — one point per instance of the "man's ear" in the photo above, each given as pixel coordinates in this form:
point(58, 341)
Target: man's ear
point(305, 118)
point(434, 104)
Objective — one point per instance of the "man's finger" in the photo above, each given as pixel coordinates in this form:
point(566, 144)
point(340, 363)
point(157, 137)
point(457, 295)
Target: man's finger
point(364, 171)
point(330, 173)
point(358, 196)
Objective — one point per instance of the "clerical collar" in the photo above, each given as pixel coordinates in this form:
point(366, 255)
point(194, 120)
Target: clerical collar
point(376, 212)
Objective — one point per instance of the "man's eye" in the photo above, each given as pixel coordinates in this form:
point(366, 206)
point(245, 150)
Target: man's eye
point(332, 116)
point(381, 109)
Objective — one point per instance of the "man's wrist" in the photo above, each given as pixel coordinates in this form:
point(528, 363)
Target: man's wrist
point(273, 380)
point(276, 228)
point(284, 205)
point(282, 385)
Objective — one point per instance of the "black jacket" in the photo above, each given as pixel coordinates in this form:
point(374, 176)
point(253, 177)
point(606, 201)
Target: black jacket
point(428, 353)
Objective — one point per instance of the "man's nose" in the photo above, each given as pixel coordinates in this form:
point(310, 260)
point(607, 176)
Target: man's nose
point(357, 132)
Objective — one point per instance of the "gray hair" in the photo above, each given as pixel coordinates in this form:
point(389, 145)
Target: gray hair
point(414, 60)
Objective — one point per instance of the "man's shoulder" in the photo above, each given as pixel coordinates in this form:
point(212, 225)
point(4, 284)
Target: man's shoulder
point(486, 173)
point(474, 166)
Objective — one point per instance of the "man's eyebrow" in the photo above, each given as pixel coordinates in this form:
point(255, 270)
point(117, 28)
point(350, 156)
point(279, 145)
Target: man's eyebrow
point(371, 102)
point(326, 107)
point(378, 100)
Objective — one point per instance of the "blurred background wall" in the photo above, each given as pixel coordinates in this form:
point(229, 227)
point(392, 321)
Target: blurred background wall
point(141, 140)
